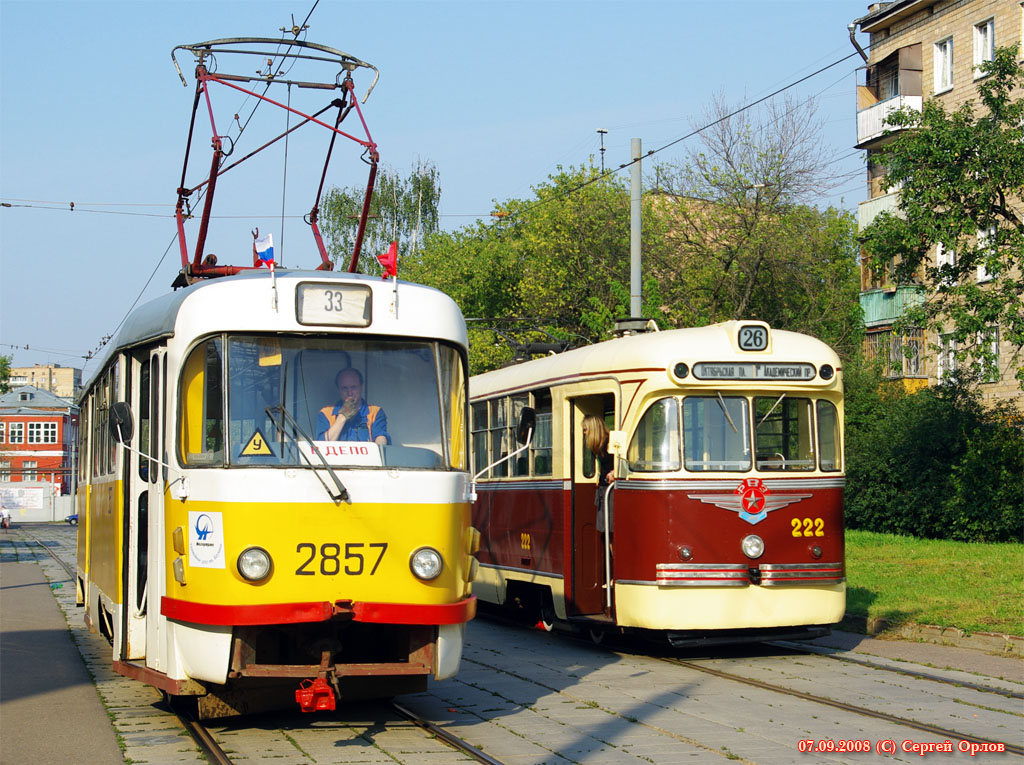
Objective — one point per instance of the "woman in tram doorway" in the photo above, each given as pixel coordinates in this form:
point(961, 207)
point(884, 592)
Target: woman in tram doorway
point(595, 436)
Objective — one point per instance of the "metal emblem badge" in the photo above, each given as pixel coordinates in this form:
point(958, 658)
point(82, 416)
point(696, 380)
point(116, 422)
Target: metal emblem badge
point(751, 499)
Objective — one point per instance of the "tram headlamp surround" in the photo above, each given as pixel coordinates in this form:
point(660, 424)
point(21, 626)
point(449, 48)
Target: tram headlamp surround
point(752, 546)
point(254, 564)
point(426, 563)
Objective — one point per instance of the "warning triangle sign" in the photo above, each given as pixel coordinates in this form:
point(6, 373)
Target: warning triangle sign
point(257, 446)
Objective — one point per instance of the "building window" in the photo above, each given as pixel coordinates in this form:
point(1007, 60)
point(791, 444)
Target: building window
point(42, 433)
point(5, 471)
point(984, 44)
point(943, 65)
point(947, 359)
point(3, 432)
point(901, 355)
point(989, 352)
point(28, 470)
point(945, 262)
point(985, 239)
point(17, 433)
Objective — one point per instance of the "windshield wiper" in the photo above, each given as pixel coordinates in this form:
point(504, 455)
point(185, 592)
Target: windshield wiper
point(721, 403)
point(771, 410)
point(342, 493)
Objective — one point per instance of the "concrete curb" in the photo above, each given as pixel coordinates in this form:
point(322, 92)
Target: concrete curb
point(989, 642)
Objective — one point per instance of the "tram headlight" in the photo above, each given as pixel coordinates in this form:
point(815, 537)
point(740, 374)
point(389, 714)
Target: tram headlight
point(826, 371)
point(752, 546)
point(426, 563)
point(680, 370)
point(254, 564)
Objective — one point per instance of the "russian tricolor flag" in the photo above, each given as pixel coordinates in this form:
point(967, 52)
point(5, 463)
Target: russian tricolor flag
point(264, 250)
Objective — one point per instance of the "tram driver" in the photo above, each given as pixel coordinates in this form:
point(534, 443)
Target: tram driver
point(350, 418)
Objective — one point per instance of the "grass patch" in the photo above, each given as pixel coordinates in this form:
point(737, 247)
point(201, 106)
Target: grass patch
point(978, 587)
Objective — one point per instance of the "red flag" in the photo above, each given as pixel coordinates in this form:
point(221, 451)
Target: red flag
point(389, 260)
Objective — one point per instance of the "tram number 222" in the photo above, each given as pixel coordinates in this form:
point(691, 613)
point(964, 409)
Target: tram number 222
point(331, 559)
point(808, 527)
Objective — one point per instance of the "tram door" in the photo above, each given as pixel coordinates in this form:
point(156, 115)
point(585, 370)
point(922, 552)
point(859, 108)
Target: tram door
point(588, 592)
point(142, 496)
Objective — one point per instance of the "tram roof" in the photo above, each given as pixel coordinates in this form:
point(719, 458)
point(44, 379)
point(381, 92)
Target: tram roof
point(243, 303)
point(651, 352)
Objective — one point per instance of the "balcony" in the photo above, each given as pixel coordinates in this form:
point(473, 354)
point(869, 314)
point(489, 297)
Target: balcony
point(871, 120)
point(884, 306)
point(869, 210)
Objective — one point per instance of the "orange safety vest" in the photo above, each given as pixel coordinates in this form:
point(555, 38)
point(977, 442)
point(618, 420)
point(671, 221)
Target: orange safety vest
point(328, 412)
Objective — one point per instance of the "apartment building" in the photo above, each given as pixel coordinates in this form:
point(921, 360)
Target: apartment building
point(53, 378)
point(923, 49)
point(38, 436)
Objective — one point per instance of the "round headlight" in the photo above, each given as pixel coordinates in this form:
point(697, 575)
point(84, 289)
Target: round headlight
point(426, 563)
point(826, 371)
point(681, 370)
point(815, 551)
point(254, 564)
point(752, 546)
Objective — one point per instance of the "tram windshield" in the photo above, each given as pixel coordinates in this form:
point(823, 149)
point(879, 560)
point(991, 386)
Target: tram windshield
point(735, 434)
point(250, 400)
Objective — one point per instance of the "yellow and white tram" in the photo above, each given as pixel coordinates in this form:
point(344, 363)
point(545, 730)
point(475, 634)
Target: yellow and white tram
point(228, 554)
point(726, 519)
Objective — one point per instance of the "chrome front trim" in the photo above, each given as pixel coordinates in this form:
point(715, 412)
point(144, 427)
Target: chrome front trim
point(780, 574)
point(702, 575)
point(727, 484)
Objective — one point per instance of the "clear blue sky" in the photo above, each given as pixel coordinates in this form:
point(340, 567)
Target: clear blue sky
point(495, 94)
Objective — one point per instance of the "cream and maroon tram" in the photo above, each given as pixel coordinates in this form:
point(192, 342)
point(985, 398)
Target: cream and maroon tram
point(229, 554)
point(726, 519)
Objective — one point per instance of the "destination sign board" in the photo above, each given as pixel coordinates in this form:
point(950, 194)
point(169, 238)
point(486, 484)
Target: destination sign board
point(727, 370)
point(333, 304)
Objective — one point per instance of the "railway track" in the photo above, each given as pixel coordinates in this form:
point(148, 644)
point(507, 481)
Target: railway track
point(207, 740)
point(833, 653)
point(844, 706)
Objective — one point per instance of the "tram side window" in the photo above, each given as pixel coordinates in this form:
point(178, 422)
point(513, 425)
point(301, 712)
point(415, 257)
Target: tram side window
point(716, 434)
point(453, 404)
point(521, 462)
point(655, 444)
point(83, 441)
point(828, 436)
point(499, 436)
point(202, 421)
point(144, 420)
point(540, 447)
point(478, 415)
point(112, 443)
point(783, 433)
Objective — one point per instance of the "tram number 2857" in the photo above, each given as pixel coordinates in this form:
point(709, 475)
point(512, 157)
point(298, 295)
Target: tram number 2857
point(331, 558)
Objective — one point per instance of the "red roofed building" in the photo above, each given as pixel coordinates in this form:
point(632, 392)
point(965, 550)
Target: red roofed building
point(38, 435)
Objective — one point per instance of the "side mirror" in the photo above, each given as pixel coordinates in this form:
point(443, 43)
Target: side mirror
point(617, 443)
point(121, 423)
point(527, 424)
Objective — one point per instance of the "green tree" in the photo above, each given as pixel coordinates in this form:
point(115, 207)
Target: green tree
point(961, 183)
point(554, 267)
point(5, 373)
point(742, 239)
point(401, 209)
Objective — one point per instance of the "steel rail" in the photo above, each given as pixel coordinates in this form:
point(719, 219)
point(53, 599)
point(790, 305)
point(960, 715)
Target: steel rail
point(449, 738)
point(203, 738)
point(927, 728)
point(829, 653)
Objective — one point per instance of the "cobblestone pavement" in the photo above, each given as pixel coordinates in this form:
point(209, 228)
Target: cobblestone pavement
point(528, 697)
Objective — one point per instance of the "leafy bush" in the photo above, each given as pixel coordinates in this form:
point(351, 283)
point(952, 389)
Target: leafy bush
point(936, 464)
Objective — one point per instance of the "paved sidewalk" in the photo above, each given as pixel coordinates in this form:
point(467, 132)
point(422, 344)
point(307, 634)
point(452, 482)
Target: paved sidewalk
point(50, 711)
